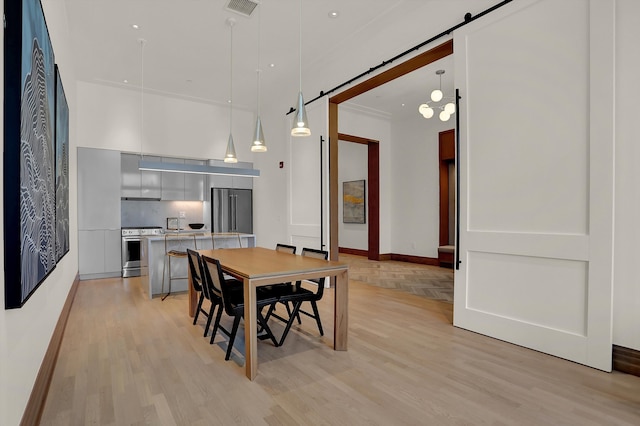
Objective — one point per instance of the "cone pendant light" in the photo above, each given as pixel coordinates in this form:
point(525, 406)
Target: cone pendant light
point(230, 155)
point(300, 123)
point(258, 144)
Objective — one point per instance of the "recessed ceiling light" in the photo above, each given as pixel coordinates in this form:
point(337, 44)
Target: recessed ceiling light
point(125, 81)
point(402, 104)
point(334, 14)
point(272, 65)
point(135, 26)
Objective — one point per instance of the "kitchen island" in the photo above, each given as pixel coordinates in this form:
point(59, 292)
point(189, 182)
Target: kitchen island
point(153, 256)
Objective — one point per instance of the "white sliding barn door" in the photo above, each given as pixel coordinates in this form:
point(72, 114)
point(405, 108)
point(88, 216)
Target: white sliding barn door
point(305, 180)
point(536, 177)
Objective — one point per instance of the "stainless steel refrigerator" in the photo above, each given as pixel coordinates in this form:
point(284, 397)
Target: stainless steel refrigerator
point(232, 210)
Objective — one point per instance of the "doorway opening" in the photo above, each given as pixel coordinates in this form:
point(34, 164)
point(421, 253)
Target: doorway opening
point(441, 51)
point(447, 157)
point(373, 193)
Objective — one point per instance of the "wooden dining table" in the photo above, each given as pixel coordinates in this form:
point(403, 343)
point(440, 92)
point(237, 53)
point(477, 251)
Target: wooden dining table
point(258, 266)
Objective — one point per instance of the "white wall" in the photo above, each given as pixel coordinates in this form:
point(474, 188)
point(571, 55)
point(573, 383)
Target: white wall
point(626, 291)
point(416, 182)
point(25, 332)
point(355, 122)
point(353, 165)
point(110, 118)
point(409, 180)
point(270, 190)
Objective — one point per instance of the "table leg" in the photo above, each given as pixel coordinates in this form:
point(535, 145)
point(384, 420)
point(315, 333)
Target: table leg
point(250, 330)
point(341, 312)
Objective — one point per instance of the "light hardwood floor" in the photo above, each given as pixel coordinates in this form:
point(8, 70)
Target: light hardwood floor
point(128, 360)
point(433, 282)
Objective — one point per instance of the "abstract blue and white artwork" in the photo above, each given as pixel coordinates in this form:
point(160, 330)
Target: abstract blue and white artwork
point(62, 170)
point(29, 232)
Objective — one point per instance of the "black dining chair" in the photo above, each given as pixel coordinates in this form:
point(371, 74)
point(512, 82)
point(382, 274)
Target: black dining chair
point(286, 248)
point(196, 283)
point(232, 294)
point(283, 248)
point(273, 290)
point(296, 294)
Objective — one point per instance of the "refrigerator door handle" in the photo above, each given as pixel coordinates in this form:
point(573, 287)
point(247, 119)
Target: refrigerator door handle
point(231, 213)
point(235, 213)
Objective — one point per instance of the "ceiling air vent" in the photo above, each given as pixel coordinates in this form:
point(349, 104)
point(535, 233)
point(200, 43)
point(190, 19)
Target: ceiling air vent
point(243, 7)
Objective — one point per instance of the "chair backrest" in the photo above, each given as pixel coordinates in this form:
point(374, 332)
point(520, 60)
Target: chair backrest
point(215, 278)
point(197, 275)
point(317, 254)
point(286, 248)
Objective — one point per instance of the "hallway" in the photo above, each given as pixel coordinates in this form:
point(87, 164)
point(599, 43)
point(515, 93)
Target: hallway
point(432, 282)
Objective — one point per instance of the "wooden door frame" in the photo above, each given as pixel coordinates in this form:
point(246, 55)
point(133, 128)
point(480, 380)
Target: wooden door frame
point(447, 154)
point(373, 193)
point(443, 50)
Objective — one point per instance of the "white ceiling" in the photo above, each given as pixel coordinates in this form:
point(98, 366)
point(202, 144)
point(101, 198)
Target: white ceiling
point(187, 51)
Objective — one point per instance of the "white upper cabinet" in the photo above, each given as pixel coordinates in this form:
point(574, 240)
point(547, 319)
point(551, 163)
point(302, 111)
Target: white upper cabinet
point(136, 183)
point(98, 189)
point(194, 184)
point(182, 186)
point(236, 182)
point(172, 183)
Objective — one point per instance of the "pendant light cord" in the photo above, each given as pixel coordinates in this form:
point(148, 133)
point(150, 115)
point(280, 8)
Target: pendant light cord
point(231, 79)
point(142, 43)
point(258, 65)
point(300, 47)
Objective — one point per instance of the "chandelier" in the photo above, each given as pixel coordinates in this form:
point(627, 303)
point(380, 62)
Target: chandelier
point(438, 102)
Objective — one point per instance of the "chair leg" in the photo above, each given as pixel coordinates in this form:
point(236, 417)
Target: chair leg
point(195, 318)
point(232, 337)
point(216, 324)
point(292, 317)
point(209, 318)
point(286, 304)
point(317, 316)
point(272, 308)
point(265, 327)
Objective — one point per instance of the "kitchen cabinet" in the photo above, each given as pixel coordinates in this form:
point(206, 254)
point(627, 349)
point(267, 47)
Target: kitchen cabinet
point(98, 189)
point(233, 182)
point(130, 176)
point(182, 186)
point(172, 183)
point(220, 181)
point(150, 181)
point(194, 184)
point(136, 183)
point(91, 253)
point(99, 255)
point(99, 192)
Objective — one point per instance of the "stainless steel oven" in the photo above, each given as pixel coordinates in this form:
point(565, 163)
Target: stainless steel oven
point(132, 249)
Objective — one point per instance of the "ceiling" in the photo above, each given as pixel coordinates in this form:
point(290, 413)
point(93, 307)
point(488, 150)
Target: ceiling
point(187, 48)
